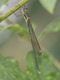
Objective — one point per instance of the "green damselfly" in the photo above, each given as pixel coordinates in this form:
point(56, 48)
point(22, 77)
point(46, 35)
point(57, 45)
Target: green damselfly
point(34, 41)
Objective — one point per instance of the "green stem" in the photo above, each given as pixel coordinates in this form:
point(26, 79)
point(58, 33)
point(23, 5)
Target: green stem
point(13, 9)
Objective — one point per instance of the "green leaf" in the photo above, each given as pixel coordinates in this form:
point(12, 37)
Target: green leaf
point(47, 70)
point(20, 29)
point(52, 27)
point(16, 27)
point(9, 69)
point(49, 5)
point(3, 2)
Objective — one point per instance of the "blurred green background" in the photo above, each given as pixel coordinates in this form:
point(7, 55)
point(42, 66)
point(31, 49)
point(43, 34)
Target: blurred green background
point(13, 45)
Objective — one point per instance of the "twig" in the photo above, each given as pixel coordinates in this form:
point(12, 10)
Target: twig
point(13, 9)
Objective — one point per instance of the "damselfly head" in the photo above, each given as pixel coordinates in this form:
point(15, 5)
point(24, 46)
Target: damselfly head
point(24, 10)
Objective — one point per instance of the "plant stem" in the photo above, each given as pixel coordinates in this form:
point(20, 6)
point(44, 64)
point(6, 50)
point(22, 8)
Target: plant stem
point(13, 9)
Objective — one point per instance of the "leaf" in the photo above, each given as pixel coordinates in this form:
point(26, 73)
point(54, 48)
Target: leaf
point(16, 27)
point(9, 69)
point(49, 5)
point(3, 2)
point(52, 27)
point(47, 70)
point(20, 29)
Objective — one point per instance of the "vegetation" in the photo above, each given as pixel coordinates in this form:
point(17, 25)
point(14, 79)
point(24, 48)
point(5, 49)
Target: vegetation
point(9, 67)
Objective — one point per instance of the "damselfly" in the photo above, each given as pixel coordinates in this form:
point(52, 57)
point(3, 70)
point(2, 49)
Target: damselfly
point(34, 41)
